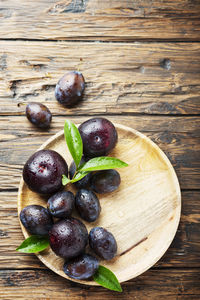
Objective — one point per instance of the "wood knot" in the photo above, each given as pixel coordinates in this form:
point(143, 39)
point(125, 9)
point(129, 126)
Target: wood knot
point(165, 64)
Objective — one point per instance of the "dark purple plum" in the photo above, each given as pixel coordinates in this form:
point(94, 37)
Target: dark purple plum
point(61, 204)
point(103, 243)
point(105, 181)
point(87, 205)
point(81, 267)
point(68, 238)
point(69, 89)
point(36, 219)
point(43, 171)
point(84, 182)
point(99, 137)
point(38, 114)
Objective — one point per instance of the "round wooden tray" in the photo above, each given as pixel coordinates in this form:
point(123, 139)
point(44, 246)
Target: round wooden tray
point(143, 214)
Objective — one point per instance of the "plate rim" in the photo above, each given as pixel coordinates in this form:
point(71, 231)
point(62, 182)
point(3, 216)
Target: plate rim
point(176, 218)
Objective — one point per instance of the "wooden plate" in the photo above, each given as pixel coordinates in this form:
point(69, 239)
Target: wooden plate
point(143, 214)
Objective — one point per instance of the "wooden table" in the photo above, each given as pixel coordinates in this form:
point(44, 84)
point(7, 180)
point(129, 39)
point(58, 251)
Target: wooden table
point(141, 61)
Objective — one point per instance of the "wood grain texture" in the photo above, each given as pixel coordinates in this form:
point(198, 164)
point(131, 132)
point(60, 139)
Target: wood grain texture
point(114, 20)
point(132, 79)
point(155, 78)
point(169, 284)
point(178, 137)
point(183, 252)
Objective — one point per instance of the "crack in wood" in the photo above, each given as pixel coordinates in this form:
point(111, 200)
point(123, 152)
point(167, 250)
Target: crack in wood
point(131, 248)
point(34, 66)
point(69, 6)
point(13, 87)
point(3, 62)
point(3, 233)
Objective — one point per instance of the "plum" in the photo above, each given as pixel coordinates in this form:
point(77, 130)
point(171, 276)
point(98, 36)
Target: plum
point(102, 242)
point(36, 219)
point(61, 204)
point(68, 238)
point(38, 114)
point(43, 171)
point(105, 181)
point(81, 267)
point(87, 205)
point(99, 137)
point(84, 182)
point(69, 89)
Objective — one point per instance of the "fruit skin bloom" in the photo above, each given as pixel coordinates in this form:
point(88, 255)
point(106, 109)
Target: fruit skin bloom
point(87, 204)
point(36, 219)
point(69, 89)
point(99, 137)
point(103, 243)
point(38, 114)
point(81, 267)
point(68, 238)
point(106, 181)
point(61, 204)
point(43, 171)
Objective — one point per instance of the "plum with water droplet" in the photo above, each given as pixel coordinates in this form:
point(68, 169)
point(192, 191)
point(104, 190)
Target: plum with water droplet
point(106, 181)
point(68, 238)
point(103, 243)
point(43, 171)
point(99, 137)
point(38, 114)
point(87, 204)
point(61, 204)
point(69, 89)
point(36, 219)
point(81, 267)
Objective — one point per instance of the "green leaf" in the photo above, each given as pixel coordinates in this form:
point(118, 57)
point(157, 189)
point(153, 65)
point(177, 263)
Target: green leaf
point(33, 244)
point(103, 163)
point(107, 279)
point(65, 180)
point(74, 141)
point(79, 176)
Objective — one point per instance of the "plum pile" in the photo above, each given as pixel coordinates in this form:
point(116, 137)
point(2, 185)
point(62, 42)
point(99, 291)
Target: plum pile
point(68, 236)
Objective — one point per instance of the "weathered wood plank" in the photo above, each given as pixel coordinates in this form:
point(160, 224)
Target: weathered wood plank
point(184, 251)
point(186, 243)
point(116, 20)
point(153, 78)
point(154, 284)
point(178, 137)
